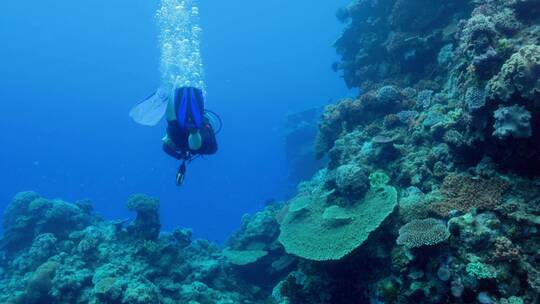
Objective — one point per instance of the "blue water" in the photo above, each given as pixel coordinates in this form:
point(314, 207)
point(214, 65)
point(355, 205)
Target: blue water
point(71, 70)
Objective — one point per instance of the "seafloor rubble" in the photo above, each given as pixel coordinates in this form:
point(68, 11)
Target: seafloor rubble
point(430, 195)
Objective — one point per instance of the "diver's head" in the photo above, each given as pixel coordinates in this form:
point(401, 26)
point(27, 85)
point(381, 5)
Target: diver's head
point(194, 140)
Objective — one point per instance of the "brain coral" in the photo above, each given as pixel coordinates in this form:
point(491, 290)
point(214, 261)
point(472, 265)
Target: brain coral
point(325, 232)
point(520, 74)
point(420, 233)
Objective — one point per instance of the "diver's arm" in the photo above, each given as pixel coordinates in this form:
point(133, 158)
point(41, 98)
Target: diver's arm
point(167, 149)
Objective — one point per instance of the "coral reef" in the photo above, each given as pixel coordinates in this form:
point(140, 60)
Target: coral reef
point(449, 110)
point(430, 192)
point(97, 261)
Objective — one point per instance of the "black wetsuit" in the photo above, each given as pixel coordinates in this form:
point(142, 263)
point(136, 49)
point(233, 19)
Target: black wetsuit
point(179, 138)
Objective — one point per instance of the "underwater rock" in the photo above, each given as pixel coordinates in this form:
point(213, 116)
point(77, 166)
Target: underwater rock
point(459, 61)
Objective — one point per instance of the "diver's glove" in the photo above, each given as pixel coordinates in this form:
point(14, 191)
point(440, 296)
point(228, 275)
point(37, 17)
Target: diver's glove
point(181, 174)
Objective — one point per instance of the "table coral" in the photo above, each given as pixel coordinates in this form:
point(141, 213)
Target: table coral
point(313, 237)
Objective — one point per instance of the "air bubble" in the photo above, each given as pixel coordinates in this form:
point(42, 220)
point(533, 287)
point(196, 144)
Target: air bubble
point(181, 62)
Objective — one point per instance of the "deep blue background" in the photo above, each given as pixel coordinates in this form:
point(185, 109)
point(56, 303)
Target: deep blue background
point(71, 70)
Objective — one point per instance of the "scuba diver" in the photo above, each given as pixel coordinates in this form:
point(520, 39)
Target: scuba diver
point(191, 129)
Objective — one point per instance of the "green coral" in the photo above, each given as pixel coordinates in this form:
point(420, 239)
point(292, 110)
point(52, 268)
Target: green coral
point(480, 270)
point(512, 300)
point(327, 232)
point(378, 179)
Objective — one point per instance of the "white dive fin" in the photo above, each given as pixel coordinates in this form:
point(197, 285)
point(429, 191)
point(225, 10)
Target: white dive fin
point(150, 111)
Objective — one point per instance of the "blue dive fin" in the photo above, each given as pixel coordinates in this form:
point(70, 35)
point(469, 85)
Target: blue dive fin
point(150, 111)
